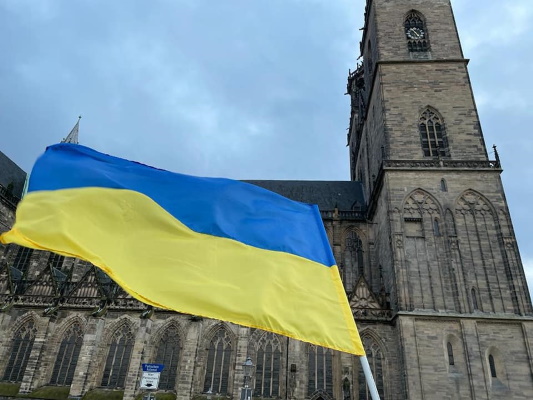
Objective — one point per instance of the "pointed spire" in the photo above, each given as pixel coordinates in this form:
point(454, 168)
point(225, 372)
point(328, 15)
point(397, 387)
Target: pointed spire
point(73, 135)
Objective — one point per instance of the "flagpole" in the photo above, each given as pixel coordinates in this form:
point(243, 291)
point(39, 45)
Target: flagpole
point(369, 378)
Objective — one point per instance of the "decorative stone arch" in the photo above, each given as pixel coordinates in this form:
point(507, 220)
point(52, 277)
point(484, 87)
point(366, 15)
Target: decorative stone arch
point(208, 376)
point(171, 322)
point(379, 366)
point(321, 395)
point(495, 366)
point(53, 342)
point(124, 321)
point(212, 331)
point(415, 30)
point(474, 202)
point(452, 346)
point(422, 202)
point(355, 256)
point(23, 322)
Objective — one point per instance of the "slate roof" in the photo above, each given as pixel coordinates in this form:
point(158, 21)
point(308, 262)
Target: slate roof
point(11, 173)
point(346, 195)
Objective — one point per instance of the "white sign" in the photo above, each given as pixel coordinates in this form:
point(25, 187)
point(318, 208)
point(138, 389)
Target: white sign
point(150, 380)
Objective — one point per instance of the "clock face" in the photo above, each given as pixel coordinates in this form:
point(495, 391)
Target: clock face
point(415, 33)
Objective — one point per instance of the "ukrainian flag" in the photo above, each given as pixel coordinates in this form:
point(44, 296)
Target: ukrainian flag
point(211, 247)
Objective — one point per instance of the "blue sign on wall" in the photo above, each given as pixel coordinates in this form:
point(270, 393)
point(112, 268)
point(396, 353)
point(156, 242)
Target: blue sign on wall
point(153, 367)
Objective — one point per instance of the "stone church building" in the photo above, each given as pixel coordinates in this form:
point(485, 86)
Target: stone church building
point(421, 233)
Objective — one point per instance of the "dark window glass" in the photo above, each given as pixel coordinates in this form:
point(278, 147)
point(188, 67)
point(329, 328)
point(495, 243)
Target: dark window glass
point(432, 135)
point(375, 360)
point(22, 259)
point(20, 352)
point(474, 299)
point(320, 367)
point(218, 363)
point(268, 366)
point(67, 356)
point(443, 185)
point(118, 358)
point(492, 367)
point(168, 354)
point(451, 361)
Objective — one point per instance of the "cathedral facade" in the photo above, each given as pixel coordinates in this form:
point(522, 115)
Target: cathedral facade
point(421, 233)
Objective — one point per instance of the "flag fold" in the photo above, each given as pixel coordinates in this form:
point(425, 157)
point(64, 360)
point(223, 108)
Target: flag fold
point(211, 247)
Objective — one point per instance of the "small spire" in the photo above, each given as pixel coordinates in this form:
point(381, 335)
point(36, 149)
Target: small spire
point(73, 135)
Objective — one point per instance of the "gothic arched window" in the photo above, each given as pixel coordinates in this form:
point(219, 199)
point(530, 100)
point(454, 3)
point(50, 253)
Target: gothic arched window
point(118, 358)
point(218, 363)
point(432, 134)
point(416, 33)
point(67, 356)
point(375, 360)
point(451, 360)
point(20, 352)
point(320, 368)
point(268, 367)
point(168, 353)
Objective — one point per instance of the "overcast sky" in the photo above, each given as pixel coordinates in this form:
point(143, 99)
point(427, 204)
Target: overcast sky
point(241, 89)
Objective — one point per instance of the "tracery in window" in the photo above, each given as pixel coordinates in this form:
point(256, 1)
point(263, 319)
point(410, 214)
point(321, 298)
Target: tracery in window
point(67, 356)
point(168, 353)
point(320, 369)
point(20, 352)
point(268, 366)
point(118, 358)
point(416, 32)
point(218, 363)
point(432, 134)
point(376, 361)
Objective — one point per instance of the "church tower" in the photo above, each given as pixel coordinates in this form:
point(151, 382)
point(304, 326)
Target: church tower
point(441, 226)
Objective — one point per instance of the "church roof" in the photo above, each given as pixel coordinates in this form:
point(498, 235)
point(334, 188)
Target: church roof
point(11, 173)
point(345, 195)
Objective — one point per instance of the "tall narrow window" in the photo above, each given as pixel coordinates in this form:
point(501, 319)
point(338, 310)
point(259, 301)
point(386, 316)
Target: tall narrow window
point(432, 134)
point(451, 361)
point(320, 368)
point(416, 33)
point(268, 366)
point(168, 354)
point(22, 259)
point(474, 299)
point(443, 185)
point(67, 356)
point(436, 227)
point(492, 367)
point(118, 358)
point(20, 352)
point(218, 363)
point(376, 361)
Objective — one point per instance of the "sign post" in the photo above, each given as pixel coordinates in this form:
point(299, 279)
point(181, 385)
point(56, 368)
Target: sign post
point(150, 378)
